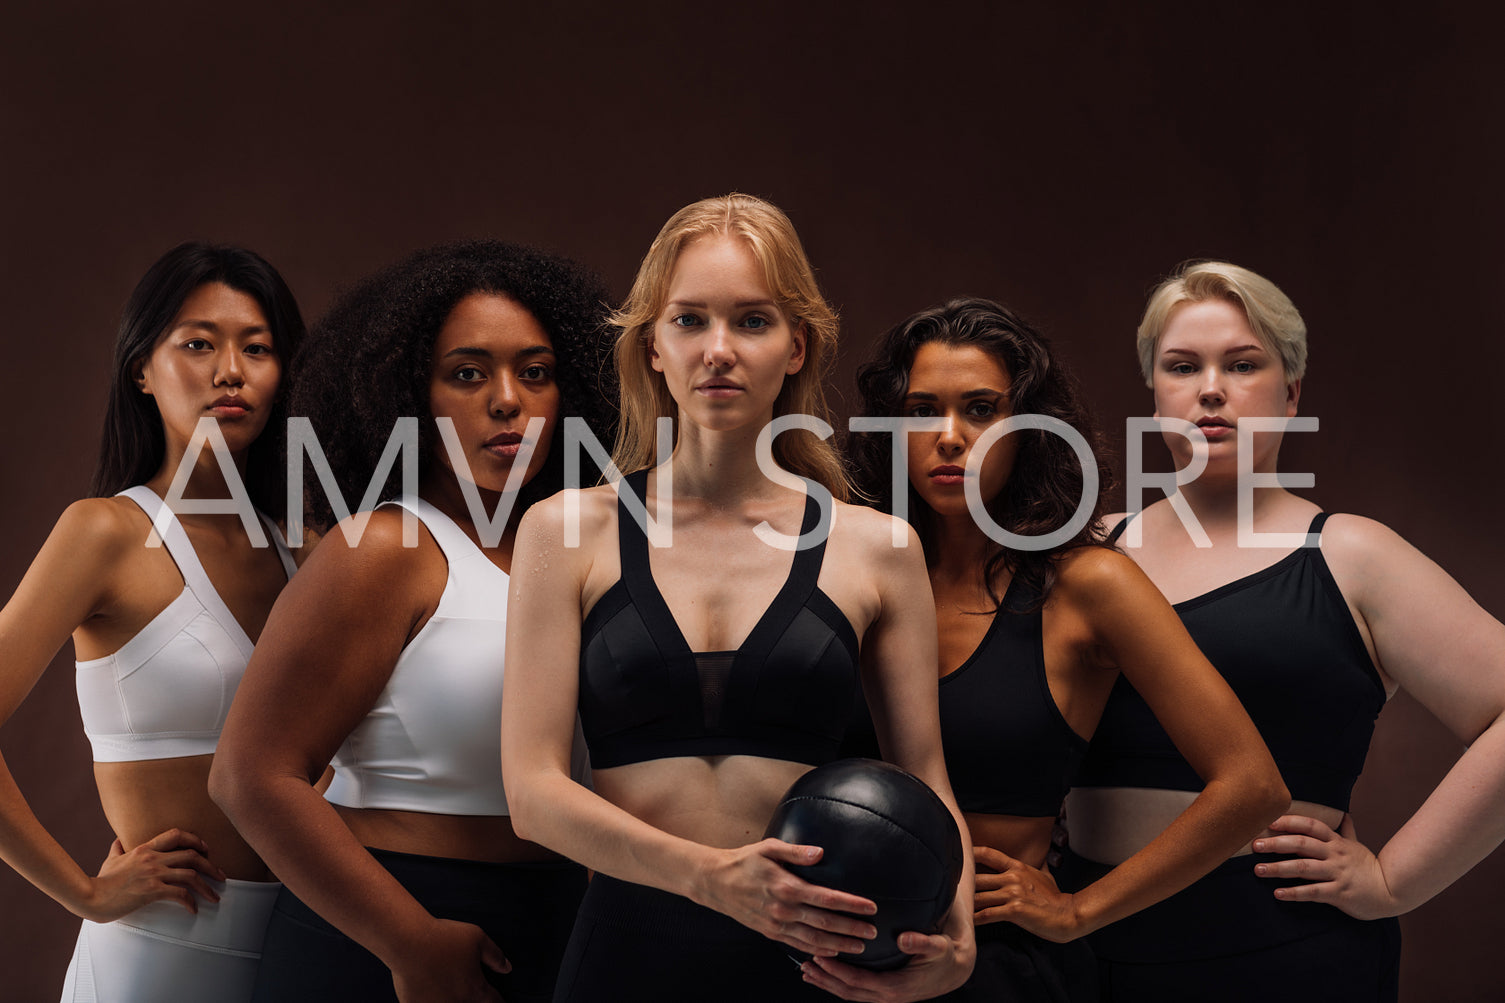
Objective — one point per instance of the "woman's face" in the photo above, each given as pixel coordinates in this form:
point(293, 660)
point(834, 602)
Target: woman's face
point(968, 388)
point(217, 360)
point(1211, 370)
point(722, 342)
point(493, 370)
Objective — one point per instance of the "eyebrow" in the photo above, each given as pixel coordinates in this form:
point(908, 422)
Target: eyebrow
point(966, 395)
point(211, 326)
point(485, 353)
point(740, 304)
point(1231, 351)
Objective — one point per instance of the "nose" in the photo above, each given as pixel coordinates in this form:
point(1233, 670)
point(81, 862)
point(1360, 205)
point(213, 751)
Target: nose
point(227, 369)
point(506, 402)
point(1211, 390)
point(951, 442)
point(718, 352)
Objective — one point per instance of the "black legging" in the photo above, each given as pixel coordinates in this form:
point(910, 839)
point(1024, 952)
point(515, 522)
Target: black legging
point(527, 909)
point(633, 943)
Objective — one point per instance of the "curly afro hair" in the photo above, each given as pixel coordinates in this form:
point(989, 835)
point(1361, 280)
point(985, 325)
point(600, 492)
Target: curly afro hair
point(1045, 487)
point(367, 361)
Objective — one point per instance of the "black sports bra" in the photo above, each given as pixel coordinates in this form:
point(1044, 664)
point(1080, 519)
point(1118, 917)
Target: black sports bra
point(786, 693)
point(1285, 640)
point(1008, 749)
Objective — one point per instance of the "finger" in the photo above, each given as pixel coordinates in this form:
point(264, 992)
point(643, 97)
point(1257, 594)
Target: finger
point(1303, 824)
point(822, 979)
point(987, 856)
point(817, 940)
point(195, 860)
point(174, 839)
point(1306, 846)
point(847, 981)
point(492, 956)
point(1321, 891)
point(924, 946)
point(116, 850)
point(184, 877)
point(790, 853)
point(182, 896)
point(988, 882)
point(828, 900)
point(1300, 867)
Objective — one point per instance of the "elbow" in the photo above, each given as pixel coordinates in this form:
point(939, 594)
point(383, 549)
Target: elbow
point(522, 809)
point(231, 785)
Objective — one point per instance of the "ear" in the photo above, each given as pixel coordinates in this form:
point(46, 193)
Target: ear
point(1293, 395)
point(797, 356)
point(139, 377)
point(653, 358)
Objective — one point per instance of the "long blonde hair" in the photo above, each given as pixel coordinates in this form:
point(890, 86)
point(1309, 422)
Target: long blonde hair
point(644, 394)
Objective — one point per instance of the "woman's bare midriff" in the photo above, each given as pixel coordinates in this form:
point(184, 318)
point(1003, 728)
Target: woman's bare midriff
point(721, 801)
point(488, 838)
point(1025, 839)
point(145, 798)
point(1111, 824)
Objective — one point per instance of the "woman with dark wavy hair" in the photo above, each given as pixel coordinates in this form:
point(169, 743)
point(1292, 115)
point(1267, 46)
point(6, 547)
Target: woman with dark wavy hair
point(1034, 628)
point(162, 628)
point(407, 881)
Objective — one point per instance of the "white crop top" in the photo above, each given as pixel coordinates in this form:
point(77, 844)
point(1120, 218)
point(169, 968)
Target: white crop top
point(433, 740)
point(165, 692)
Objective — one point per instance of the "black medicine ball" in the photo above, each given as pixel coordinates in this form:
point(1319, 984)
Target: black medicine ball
point(886, 837)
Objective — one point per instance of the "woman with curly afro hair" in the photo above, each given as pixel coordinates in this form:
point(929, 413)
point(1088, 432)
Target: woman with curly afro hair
point(1034, 629)
point(406, 880)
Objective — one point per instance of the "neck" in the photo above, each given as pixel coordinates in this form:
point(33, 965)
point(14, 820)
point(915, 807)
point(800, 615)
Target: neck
point(442, 489)
point(960, 549)
point(719, 466)
point(206, 480)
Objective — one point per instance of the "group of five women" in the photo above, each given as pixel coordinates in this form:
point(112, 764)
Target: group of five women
point(684, 642)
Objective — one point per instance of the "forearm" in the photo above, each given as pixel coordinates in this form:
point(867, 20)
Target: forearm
point(1456, 827)
point(1222, 819)
point(311, 850)
point(554, 811)
point(34, 854)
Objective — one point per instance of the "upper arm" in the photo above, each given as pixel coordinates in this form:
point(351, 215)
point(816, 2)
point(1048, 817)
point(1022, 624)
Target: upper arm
point(1428, 634)
point(899, 651)
point(329, 648)
point(541, 681)
point(1141, 635)
point(70, 580)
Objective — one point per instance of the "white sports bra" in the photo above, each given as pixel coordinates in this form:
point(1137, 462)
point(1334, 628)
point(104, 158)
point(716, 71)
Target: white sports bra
point(433, 740)
point(165, 692)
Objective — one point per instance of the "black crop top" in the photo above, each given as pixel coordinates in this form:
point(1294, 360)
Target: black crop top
point(1285, 640)
point(786, 693)
point(1008, 749)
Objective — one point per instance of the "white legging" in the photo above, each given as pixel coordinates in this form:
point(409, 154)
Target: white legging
point(162, 953)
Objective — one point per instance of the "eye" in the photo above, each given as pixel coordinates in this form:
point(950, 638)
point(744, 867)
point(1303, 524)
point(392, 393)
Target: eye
point(196, 344)
point(469, 374)
point(981, 409)
point(1181, 368)
point(684, 320)
point(756, 322)
point(1243, 366)
point(257, 348)
point(920, 411)
point(537, 373)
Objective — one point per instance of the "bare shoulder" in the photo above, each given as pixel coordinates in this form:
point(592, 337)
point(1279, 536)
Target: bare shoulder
point(1356, 535)
point(546, 524)
point(1095, 575)
point(886, 541)
point(378, 545)
point(100, 531)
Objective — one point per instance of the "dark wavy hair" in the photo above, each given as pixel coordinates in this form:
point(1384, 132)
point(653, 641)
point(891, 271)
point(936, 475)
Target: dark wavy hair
point(1045, 486)
point(368, 360)
point(133, 445)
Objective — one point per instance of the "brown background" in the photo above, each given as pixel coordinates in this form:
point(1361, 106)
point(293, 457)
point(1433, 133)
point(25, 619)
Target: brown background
point(1061, 163)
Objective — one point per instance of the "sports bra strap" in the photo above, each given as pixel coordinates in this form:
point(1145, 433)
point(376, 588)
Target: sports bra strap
point(175, 538)
point(450, 537)
point(632, 545)
point(1315, 529)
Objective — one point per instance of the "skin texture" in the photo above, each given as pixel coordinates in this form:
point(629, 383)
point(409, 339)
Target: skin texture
point(1423, 631)
point(689, 825)
point(330, 649)
point(1102, 617)
point(95, 579)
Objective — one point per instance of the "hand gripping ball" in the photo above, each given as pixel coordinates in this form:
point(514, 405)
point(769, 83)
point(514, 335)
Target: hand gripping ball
point(886, 836)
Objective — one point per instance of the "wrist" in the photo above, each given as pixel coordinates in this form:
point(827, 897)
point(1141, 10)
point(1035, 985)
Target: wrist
point(699, 878)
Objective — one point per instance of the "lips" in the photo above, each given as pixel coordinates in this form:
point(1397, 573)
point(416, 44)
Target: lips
point(505, 444)
point(1214, 427)
point(947, 473)
point(230, 406)
point(718, 388)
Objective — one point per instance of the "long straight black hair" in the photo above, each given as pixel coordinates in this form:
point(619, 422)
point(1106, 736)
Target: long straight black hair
point(133, 445)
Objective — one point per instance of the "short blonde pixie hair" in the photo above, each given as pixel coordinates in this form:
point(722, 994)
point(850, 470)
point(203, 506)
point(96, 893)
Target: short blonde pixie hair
point(771, 237)
point(1272, 316)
